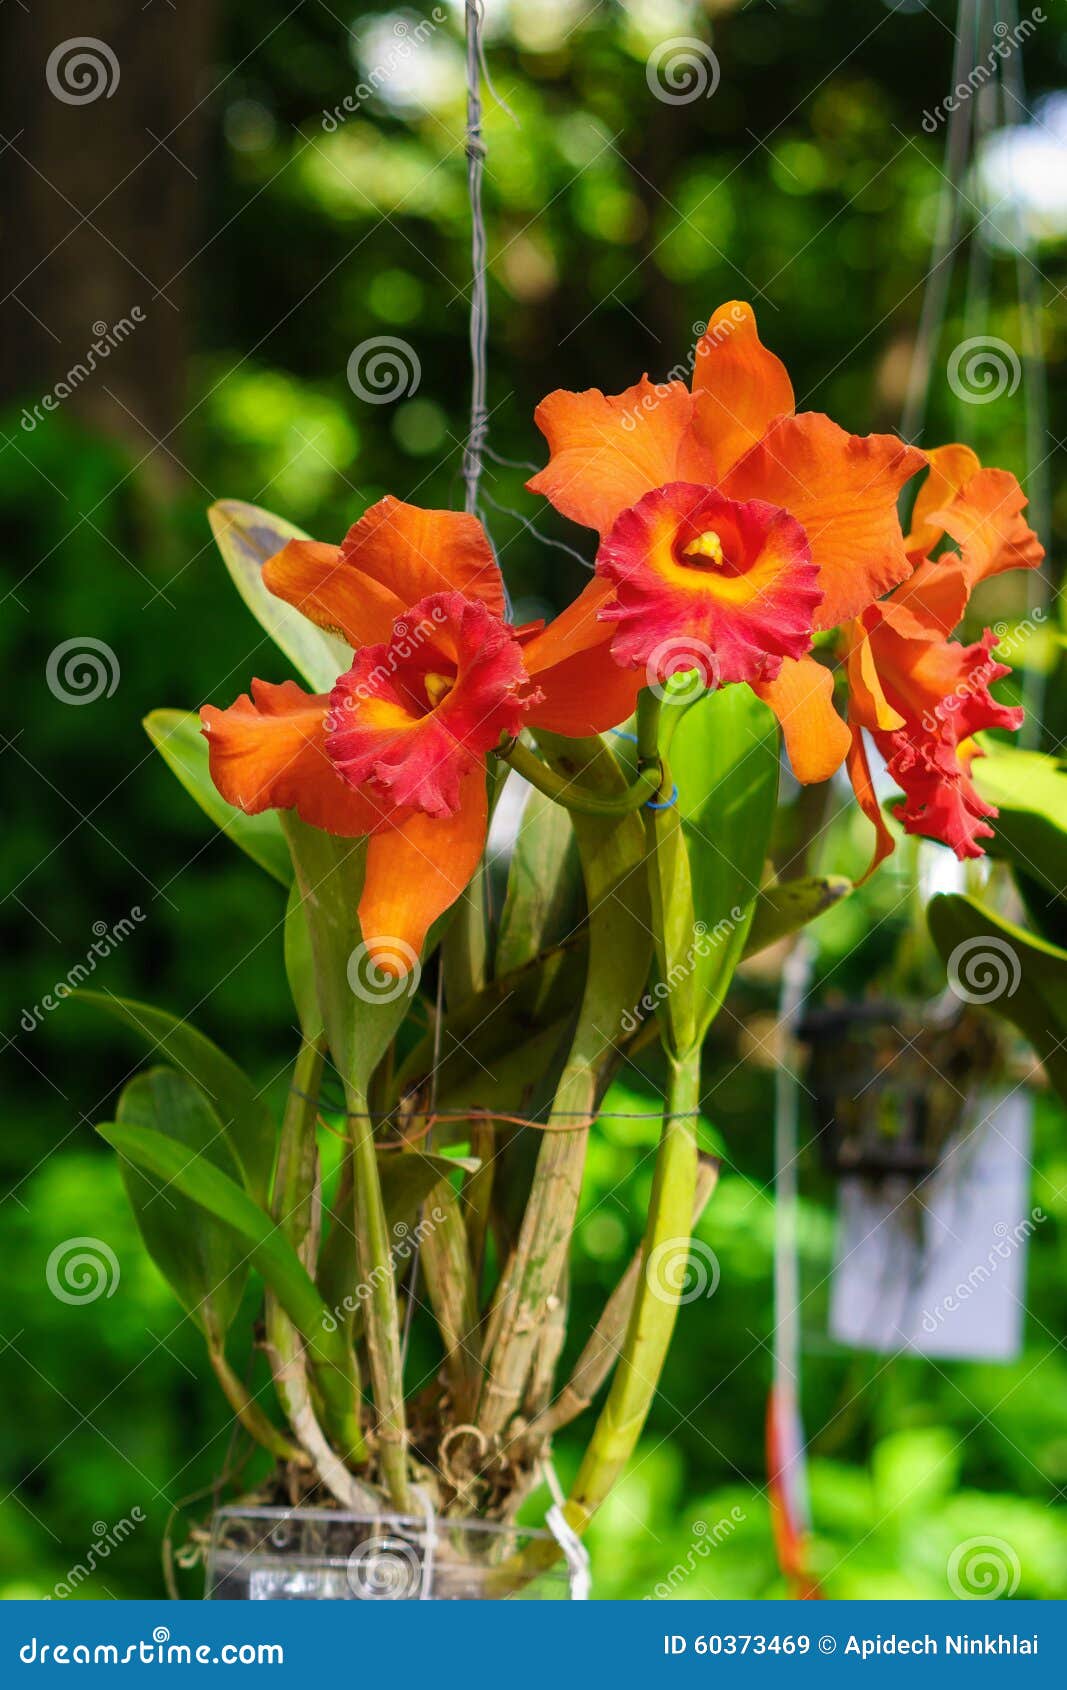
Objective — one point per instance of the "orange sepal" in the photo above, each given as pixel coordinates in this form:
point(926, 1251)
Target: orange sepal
point(802, 698)
point(415, 552)
point(859, 773)
point(843, 489)
point(417, 871)
point(268, 752)
point(608, 450)
point(585, 690)
point(317, 581)
point(741, 387)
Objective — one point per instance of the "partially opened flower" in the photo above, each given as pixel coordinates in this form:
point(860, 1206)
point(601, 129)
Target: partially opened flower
point(922, 695)
point(730, 527)
point(397, 750)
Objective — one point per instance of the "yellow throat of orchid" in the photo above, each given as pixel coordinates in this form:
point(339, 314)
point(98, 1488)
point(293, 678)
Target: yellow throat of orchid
point(438, 687)
point(707, 547)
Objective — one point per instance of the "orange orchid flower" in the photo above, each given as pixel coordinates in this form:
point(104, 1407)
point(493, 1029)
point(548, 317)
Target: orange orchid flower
point(731, 528)
point(397, 751)
point(922, 695)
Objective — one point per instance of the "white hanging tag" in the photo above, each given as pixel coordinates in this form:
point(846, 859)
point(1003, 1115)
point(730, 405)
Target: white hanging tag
point(940, 1269)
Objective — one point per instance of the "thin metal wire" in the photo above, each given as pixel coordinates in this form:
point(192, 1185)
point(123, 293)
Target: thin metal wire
point(946, 238)
point(479, 314)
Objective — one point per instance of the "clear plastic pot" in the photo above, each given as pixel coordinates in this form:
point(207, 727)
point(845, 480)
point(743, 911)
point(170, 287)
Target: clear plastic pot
point(324, 1554)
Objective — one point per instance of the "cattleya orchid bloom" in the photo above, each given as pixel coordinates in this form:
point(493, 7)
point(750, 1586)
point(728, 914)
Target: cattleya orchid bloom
point(922, 695)
point(397, 751)
point(731, 528)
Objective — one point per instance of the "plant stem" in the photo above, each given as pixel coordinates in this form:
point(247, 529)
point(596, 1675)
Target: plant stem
point(605, 1341)
point(574, 797)
point(249, 1413)
point(450, 1287)
point(383, 1323)
point(655, 1306)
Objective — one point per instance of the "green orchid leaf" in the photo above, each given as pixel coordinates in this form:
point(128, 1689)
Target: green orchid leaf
point(724, 760)
point(247, 536)
point(201, 1260)
point(1030, 791)
point(544, 896)
point(196, 1177)
point(177, 736)
point(246, 1120)
point(1014, 973)
point(361, 1007)
point(790, 905)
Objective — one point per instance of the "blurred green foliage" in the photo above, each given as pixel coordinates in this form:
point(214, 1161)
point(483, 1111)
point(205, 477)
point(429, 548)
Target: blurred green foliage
point(617, 222)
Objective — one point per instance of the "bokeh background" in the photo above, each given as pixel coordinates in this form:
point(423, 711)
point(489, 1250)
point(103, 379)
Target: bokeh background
point(261, 228)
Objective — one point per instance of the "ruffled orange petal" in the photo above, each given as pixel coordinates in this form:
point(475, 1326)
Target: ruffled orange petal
point(859, 773)
point(741, 387)
point(843, 489)
point(986, 521)
point(802, 698)
point(315, 579)
point(608, 450)
point(417, 871)
point(268, 752)
point(416, 552)
point(951, 467)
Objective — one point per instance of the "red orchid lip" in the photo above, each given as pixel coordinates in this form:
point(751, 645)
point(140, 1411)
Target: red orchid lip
point(732, 578)
point(414, 715)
